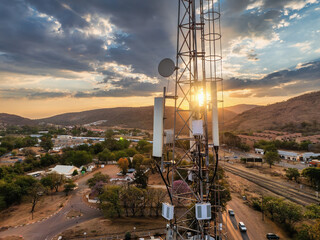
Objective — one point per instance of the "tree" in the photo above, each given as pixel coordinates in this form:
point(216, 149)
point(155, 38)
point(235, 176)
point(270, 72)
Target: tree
point(48, 160)
point(97, 148)
point(3, 151)
point(81, 158)
point(291, 212)
point(180, 187)
point(110, 202)
point(12, 193)
point(3, 203)
point(123, 164)
point(46, 143)
point(106, 156)
point(313, 176)
point(25, 183)
point(135, 196)
point(309, 232)
point(75, 172)
point(98, 177)
point(69, 186)
point(35, 193)
point(98, 189)
point(144, 146)
point(120, 154)
point(131, 152)
point(57, 180)
point(313, 211)
point(157, 198)
point(141, 179)
point(47, 182)
point(271, 157)
point(137, 160)
point(292, 173)
point(127, 236)
point(29, 152)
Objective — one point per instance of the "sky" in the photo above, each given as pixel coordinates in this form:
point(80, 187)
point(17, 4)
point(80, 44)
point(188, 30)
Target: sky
point(60, 56)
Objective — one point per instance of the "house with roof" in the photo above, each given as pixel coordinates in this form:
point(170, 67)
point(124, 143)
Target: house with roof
point(65, 170)
point(288, 155)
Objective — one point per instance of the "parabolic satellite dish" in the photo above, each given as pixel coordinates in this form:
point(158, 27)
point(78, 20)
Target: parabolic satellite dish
point(166, 67)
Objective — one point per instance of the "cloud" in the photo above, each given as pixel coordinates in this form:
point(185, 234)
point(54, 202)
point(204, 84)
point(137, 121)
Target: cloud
point(304, 77)
point(117, 45)
point(29, 93)
point(142, 33)
point(302, 46)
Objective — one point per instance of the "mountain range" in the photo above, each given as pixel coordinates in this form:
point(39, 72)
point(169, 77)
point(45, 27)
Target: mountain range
point(243, 117)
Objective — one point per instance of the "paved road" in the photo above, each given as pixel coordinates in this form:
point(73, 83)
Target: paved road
point(296, 165)
point(256, 228)
point(49, 228)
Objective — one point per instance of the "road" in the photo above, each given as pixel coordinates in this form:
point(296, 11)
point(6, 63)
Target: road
point(256, 227)
point(49, 228)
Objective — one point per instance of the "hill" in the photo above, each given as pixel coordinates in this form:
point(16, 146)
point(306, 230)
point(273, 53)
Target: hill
point(11, 119)
point(297, 111)
point(240, 108)
point(131, 117)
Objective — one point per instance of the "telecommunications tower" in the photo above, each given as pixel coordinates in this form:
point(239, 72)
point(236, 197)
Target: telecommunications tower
point(183, 154)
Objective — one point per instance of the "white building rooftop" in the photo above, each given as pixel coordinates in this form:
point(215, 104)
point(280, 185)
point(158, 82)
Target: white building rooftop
point(64, 169)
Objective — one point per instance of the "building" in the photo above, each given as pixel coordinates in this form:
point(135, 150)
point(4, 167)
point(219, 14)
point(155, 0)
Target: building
point(259, 151)
point(308, 155)
point(65, 170)
point(122, 179)
point(288, 155)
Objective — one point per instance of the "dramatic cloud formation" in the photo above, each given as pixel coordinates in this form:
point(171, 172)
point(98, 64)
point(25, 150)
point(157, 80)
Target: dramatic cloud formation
point(55, 49)
point(304, 77)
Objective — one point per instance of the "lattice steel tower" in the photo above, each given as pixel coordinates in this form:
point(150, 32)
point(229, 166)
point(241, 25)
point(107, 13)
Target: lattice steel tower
point(194, 210)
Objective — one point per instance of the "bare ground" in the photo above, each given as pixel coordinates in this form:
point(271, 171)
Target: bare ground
point(103, 227)
point(20, 214)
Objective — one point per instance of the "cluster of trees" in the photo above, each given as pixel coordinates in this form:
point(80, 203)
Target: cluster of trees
point(76, 157)
point(17, 188)
point(27, 130)
point(232, 140)
point(8, 143)
point(109, 150)
point(293, 173)
point(288, 214)
point(288, 145)
point(117, 201)
point(303, 127)
point(309, 232)
point(29, 164)
point(283, 212)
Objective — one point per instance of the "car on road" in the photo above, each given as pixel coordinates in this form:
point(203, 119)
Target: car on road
point(242, 227)
point(272, 236)
point(231, 212)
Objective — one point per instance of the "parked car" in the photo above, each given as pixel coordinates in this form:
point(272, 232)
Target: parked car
point(242, 227)
point(272, 236)
point(231, 212)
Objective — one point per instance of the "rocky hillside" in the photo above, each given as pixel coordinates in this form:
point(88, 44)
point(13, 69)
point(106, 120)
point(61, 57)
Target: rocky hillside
point(240, 108)
point(294, 112)
point(11, 119)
